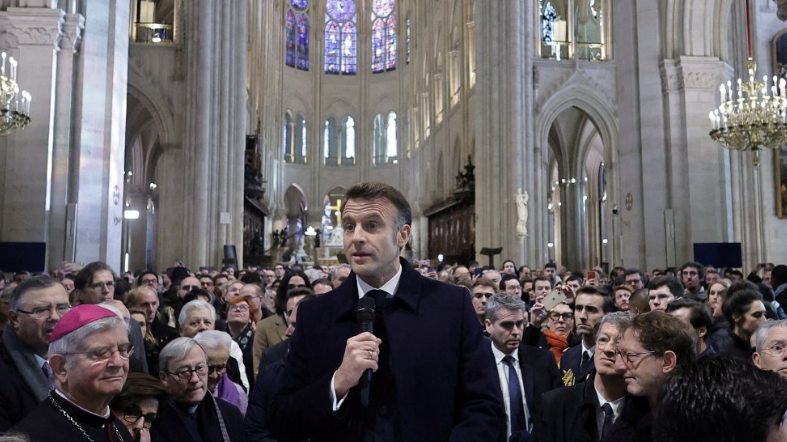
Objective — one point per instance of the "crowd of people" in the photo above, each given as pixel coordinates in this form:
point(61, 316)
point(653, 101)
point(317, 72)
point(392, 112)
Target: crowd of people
point(454, 352)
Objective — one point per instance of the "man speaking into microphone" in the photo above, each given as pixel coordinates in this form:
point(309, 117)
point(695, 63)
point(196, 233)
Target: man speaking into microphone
point(431, 376)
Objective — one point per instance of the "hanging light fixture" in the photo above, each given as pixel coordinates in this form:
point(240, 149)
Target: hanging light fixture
point(14, 106)
point(751, 115)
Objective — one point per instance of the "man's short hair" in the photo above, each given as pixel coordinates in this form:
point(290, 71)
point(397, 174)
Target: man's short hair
point(34, 283)
point(574, 277)
point(506, 277)
point(142, 275)
point(543, 278)
point(609, 302)
point(740, 297)
point(700, 269)
point(660, 332)
point(335, 271)
point(192, 305)
point(765, 328)
point(85, 276)
point(720, 398)
point(675, 287)
point(374, 190)
point(619, 319)
point(699, 313)
point(485, 282)
point(175, 350)
point(502, 301)
point(550, 265)
point(637, 272)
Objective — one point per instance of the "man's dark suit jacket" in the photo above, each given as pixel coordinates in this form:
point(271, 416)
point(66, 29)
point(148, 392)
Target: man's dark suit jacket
point(571, 360)
point(170, 427)
point(445, 384)
point(569, 415)
point(17, 398)
point(539, 375)
point(635, 423)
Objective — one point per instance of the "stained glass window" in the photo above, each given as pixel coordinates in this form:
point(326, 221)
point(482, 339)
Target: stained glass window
point(574, 29)
point(383, 35)
point(349, 139)
point(385, 140)
point(408, 41)
point(391, 142)
point(290, 38)
point(297, 35)
point(341, 55)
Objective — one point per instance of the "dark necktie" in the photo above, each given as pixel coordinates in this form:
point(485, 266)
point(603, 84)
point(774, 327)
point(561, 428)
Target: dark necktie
point(584, 362)
point(609, 418)
point(48, 374)
point(517, 407)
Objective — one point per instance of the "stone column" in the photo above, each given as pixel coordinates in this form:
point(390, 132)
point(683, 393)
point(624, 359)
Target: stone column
point(99, 126)
point(696, 162)
point(33, 38)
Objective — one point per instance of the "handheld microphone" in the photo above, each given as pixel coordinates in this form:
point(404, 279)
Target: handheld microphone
point(365, 316)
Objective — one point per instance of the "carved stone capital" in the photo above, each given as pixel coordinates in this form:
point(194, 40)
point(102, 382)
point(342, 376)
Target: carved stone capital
point(36, 27)
point(72, 32)
point(691, 73)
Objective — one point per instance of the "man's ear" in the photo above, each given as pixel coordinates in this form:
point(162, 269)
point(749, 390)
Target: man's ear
point(58, 365)
point(163, 377)
point(702, 331)
point(487, 324)
point(13, 318)
point(403, 235)
point(755, 357)
point(669, 360)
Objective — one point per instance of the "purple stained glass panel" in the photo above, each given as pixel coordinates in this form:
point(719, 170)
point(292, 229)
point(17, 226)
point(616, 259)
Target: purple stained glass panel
point(290, 39)
point(300, 5)
point(390, 63)
point(303, 42)
point(332, 47)
point(341, 10)
point(378, 46)
point(349, 64)
point(383, 8)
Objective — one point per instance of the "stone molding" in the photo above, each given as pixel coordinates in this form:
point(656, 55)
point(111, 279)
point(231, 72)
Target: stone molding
point(690, 73)
point(34, 27)
point(72, 32)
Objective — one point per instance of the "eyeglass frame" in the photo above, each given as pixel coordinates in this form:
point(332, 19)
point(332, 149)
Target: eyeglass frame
point(241, 307)
point(107, 354)
point(626, 357)
point(50, 310)
point(564, 316)
point(189, 372)
point(773, 353)
point(133, 417)
point(101, 285)
point(217, 368)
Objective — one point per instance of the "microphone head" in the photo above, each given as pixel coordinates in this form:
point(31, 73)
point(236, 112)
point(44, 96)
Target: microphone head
point(365, 311)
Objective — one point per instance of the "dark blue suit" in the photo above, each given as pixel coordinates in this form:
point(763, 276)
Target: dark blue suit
point(571, 360)
point(445, 386)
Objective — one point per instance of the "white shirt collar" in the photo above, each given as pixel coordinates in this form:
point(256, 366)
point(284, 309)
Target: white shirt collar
point(389, 287)
point(499, 355)
point(616, 405)
point(590, 350)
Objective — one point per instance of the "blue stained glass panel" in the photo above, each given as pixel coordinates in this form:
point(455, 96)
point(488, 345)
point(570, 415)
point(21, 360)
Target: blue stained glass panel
point(303, 42)
point(341, 10)
point(378, 46)
point(290, 39)
point(332, 47)
point(300, 5)
point(349, 49)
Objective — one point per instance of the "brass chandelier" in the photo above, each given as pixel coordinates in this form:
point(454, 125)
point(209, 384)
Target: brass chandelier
point(752, 115)
point(14, 106)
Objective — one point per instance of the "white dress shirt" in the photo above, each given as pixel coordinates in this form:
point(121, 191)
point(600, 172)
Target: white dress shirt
point(502, 373)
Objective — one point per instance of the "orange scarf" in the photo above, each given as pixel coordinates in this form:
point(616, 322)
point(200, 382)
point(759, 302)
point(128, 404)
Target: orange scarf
point(557, 344)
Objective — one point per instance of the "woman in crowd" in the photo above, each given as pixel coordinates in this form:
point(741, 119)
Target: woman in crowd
point(717, 292)
point(241, 325)
point(745, 311)
point(147, 333)
point(137, 404)
point(561, 327)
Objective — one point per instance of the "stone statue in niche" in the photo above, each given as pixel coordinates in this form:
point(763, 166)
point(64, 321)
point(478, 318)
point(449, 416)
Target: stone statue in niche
point(521, 213)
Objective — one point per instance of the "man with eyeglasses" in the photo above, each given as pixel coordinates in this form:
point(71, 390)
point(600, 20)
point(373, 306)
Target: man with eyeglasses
point(217, 347)
point(653, 347)
point(771, 347)
point(88, 357)
point(36, 306)
point(691, 275)
point(190, 412)
point(148, 278)
point(95, 284)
